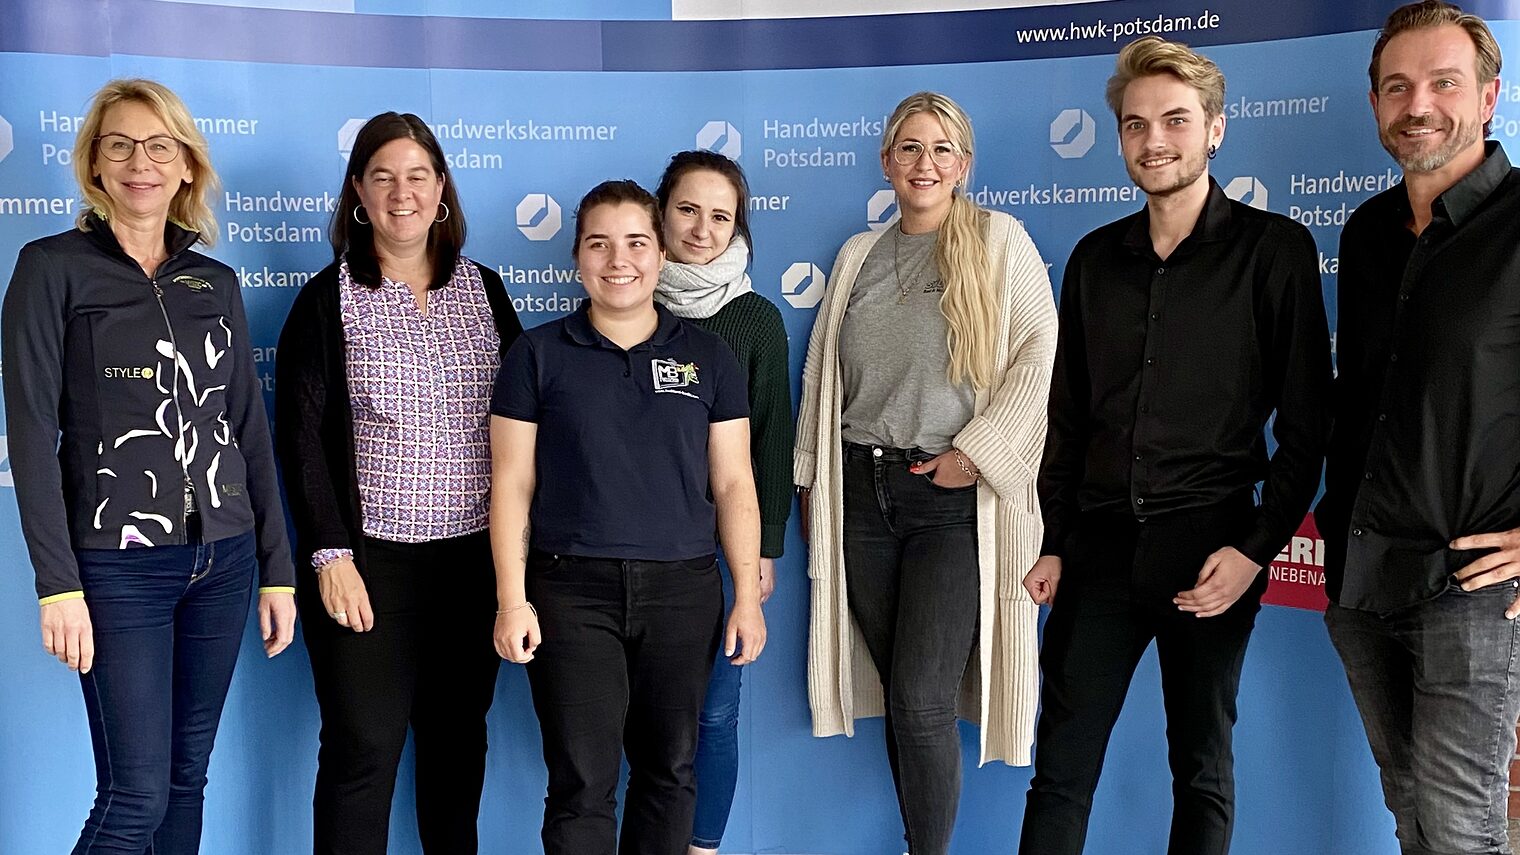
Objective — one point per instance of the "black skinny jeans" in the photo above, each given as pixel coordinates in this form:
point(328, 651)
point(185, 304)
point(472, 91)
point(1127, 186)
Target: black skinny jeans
point(622, 670)
point(1115, 597)
point(911, 571)
point(428, 662)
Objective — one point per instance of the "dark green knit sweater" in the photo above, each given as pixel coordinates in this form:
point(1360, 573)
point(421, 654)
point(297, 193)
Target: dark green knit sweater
point(752, 326)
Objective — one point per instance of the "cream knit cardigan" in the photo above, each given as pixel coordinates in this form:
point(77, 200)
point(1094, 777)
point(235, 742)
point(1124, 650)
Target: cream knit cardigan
point(1005, 439)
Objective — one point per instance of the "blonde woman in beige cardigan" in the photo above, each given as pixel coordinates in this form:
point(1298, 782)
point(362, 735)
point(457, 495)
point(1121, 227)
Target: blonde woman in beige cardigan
point(922, 424)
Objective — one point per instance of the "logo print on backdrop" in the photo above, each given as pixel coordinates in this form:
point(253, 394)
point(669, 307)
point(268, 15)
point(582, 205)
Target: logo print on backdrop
point(880, 209)
point(1248, 190)
point(802, 285)
point(6, 478)
point(346, 135)
point(722, 138)
point(1073, 133)
point(7, 142)
point(538, 216)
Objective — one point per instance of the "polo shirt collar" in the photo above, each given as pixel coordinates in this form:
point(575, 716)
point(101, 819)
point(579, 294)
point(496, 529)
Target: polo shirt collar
point(1213, 224)
point(578, 327)
point(1463, 198)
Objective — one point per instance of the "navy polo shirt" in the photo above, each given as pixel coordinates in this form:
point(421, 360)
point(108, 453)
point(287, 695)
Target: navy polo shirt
point(622, 435)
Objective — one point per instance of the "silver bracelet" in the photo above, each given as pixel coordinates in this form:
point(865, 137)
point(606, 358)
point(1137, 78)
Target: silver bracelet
point(525, 605)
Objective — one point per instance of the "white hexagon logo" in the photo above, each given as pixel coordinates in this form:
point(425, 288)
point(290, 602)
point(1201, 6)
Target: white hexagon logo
point(1249, 190)
point(722, 138)
point(881, 209)
point(347, 134)
point(538, 216)
point(7, 142)
point(1073, 133)
point(802, 285)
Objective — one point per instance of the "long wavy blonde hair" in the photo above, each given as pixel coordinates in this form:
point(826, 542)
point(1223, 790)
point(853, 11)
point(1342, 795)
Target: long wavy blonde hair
point(189, 207)
point(969, 303)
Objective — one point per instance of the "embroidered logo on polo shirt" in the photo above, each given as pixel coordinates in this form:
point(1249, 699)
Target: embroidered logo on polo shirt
point(673, 377)
point(194, 283)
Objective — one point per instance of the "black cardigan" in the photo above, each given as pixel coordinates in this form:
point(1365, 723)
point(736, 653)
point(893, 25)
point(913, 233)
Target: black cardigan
point(314, 422)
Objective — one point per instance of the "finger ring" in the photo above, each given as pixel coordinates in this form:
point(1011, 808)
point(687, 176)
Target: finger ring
point(340, 615)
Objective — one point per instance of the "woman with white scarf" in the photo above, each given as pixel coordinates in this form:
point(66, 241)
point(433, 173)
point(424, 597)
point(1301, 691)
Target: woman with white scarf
point(704, 200)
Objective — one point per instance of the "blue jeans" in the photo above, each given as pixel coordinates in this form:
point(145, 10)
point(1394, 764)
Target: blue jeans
point(168, 621)
point(1436, 684)
point(717, 761)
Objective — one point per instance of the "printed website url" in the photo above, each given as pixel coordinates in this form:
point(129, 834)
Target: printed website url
point(1116, 30)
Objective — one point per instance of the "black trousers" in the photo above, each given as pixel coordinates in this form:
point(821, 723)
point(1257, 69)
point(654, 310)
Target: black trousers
point(910, 559)
point(622, 670)
point(429, 663)
point(1116, 596)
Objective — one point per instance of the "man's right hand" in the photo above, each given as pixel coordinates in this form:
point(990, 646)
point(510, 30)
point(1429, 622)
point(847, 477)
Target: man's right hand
point(1042, 579)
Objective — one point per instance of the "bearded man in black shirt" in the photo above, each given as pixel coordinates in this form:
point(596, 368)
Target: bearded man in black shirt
point(1422, 489)
point(1184, 327)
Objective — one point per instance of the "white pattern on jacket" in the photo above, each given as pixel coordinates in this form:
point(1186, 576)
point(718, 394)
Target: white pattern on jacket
point(1005, 438)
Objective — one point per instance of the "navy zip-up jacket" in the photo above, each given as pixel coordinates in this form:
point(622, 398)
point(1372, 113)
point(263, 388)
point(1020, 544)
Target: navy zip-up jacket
point(120, 389)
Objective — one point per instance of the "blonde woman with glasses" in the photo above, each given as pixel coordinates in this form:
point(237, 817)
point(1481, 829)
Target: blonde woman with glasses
point(922, 424)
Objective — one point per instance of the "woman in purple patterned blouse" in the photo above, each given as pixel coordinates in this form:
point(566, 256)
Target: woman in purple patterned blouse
point(384, 380)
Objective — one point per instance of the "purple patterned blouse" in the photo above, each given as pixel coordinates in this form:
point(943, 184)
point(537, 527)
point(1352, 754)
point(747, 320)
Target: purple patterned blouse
point(420, 385)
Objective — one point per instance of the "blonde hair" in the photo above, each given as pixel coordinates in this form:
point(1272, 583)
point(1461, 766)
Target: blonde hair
point(189, 207)
point(970, 303)
point(1152, 55)
point(1429, 15)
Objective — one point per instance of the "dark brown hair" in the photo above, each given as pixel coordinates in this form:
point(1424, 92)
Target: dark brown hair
point(684, 162)
point(348, 235)
point(618, 192)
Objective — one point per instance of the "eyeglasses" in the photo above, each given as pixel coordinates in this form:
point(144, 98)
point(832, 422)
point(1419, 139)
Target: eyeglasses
point(943, 154)
point(118, 147)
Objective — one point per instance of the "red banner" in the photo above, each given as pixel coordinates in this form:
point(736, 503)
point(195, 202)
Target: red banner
point(1296, 577)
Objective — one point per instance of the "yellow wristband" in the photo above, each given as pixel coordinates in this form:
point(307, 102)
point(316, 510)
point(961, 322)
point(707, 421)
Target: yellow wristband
point(58, 598)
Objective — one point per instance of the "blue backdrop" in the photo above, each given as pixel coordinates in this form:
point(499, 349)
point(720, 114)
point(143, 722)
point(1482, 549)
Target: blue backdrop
point(535, 108)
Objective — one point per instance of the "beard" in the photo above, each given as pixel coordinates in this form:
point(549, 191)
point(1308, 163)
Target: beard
point(1189, 167)
point(1413, 156)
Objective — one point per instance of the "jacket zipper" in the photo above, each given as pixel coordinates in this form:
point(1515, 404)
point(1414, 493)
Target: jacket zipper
point(188, 503)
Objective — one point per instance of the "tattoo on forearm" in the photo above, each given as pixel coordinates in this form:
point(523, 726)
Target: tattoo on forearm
point(525, 544)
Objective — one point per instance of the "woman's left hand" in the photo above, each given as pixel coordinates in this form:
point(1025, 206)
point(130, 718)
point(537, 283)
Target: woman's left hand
point(745, 634)
point(767, 578)
point(945, 471)
point(277, 621)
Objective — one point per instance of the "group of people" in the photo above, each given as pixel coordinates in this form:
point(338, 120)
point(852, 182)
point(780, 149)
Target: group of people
point(464, 491)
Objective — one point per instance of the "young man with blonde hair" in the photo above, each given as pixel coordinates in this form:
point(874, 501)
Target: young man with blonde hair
point(1421, 515)
point(1183, 328)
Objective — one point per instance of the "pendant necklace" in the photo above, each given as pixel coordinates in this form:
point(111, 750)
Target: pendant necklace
point(902, 289)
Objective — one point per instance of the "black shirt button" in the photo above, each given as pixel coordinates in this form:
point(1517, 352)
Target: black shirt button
point(1155, 316)
point(1366, 476)
point(1139, 501)
point(627, 373)
point(1393, 357)
point(1137, 458)
point(1382, 417)
point(1403, 298)
point(1356, 532)
point(1145, 408)
point(1150, 360)
point(1161, 271)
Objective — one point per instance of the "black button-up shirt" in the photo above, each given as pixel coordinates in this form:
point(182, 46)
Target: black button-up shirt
point(1167, 372)
point(1426, 446)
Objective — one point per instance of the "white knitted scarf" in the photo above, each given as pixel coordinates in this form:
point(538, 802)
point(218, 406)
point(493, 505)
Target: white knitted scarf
point(700, 290)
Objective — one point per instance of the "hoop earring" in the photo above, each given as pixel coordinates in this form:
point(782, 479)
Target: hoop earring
point(445, 217)
point(356, 216)
point(1213, 150)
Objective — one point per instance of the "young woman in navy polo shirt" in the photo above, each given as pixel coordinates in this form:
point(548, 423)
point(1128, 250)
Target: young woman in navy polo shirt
point(620, 444)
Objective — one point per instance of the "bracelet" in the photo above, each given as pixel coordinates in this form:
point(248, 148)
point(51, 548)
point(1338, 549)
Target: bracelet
point(525, 605)
point(965, 467)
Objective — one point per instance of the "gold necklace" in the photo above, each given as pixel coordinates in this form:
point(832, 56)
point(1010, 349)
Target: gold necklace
point(902, 290)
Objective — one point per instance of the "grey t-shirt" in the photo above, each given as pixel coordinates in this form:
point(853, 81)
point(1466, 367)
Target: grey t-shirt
point(893, 351)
